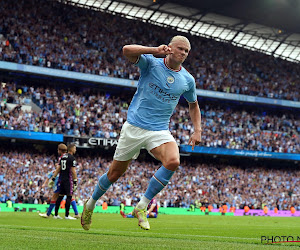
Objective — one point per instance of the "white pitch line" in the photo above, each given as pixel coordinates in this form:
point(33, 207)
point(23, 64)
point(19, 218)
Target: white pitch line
point(128, 232)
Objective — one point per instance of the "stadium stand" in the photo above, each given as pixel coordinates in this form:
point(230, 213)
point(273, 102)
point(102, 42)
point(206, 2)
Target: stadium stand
point(96, 114)
point(82, 40)
point(23, 173)
point(76, 39)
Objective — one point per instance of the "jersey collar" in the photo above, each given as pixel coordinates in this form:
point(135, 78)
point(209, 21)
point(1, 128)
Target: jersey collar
point(165, 63)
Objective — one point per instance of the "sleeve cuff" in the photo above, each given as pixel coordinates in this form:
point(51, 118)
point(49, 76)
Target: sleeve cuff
point(137, 60)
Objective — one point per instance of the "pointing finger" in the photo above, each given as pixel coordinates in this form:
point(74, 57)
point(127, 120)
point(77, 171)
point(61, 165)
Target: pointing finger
point(193, 145)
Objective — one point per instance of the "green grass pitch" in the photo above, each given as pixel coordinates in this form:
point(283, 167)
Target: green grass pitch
point(110, 231)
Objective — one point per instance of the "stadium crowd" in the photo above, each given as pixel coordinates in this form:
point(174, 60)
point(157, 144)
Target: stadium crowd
point(61, 36)
point(22, 175)
point(96, 114)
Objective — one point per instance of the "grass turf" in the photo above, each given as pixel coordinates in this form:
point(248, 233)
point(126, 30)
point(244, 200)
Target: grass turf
point(29, 231)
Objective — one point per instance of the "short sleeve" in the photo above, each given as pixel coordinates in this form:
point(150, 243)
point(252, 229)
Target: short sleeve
point(144, 61)
point(74, 162)
point(191, 95)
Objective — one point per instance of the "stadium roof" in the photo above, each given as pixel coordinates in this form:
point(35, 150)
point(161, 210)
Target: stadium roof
point(239, 27)
point(282, 14)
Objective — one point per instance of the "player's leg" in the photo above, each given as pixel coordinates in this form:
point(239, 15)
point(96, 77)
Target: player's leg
point(129, 145)
point(128, 148)
point(168, 154)
point(52, 203)
point(68, 203)
point(126, 215)
point(74, 206)
point(57, 205)
point(62, 191)
point(51, 206)
point(122, 214)
point(69, 192)
point(116, 169)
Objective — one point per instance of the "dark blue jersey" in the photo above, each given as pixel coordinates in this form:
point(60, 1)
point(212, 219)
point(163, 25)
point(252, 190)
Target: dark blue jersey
point(66, 162)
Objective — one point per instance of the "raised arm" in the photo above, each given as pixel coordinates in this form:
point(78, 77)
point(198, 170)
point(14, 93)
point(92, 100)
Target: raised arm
point(195, 114)
point(132, 52)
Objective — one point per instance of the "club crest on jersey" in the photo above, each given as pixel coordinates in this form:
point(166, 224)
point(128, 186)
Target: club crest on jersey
point(170, 79)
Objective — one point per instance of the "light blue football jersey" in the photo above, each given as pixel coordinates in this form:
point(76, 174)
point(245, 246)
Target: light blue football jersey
point(50, 174)
point(158, 92)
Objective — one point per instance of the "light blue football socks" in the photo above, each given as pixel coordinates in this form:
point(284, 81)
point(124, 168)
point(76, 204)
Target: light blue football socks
point(101, 187)
point(159, 180)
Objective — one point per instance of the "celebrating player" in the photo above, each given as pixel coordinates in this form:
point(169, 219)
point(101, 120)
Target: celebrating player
point(162, 82)
point(68, 180)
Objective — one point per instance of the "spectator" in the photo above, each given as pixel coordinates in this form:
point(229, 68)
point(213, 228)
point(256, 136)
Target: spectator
point(96, 114)
point(206, 184)
point(77, 39)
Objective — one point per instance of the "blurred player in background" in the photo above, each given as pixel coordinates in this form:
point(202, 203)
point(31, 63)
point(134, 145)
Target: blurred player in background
point(152, 210)
point(61, 149)
point(68, 180)
point(162, 82)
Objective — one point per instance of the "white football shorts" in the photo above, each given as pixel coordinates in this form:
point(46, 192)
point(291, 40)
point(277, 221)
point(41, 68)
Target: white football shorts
point(133, 139)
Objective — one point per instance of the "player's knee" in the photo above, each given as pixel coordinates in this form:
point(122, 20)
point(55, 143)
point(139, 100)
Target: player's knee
point(172, 164)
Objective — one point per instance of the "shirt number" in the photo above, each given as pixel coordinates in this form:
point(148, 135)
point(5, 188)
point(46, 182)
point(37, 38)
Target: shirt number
point(63, 164)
